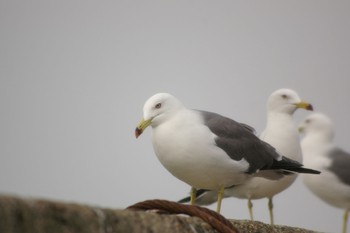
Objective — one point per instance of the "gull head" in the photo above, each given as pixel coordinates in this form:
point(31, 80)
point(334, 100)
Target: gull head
point(286, 101)
point(317, 124)
point(156, 110)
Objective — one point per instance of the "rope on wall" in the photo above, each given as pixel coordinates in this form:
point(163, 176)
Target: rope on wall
point(217, 221)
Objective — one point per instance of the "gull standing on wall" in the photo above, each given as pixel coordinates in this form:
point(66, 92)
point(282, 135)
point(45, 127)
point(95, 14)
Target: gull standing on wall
point(333, 184)
point(207, 150)
point(281, 132)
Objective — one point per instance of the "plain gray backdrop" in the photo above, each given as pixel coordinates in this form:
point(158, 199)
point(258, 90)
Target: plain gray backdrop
point(74, 76)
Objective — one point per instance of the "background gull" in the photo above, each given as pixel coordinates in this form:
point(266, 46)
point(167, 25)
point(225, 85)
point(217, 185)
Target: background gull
point(280, 132)
point(333, 184)
point(207, 150)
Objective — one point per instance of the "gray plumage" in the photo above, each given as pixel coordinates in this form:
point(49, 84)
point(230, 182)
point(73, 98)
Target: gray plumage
point(239, 142)
point(340, 164)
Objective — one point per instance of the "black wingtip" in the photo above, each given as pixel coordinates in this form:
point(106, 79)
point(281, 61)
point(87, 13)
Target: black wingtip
point(307, 171)
point(199, 192)
point(292, 166)
point(184, 200)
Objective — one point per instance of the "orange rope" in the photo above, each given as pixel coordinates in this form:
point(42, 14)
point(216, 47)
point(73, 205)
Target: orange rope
point(217, 221)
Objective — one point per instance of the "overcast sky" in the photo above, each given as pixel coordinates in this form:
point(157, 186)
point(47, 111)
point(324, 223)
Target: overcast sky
point(74, 76)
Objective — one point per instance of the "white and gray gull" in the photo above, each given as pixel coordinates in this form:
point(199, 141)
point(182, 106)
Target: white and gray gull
point(207, 150)
point(319, 152)
point(280, 132)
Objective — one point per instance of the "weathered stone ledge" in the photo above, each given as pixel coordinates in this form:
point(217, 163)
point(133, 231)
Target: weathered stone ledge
point(18, 215)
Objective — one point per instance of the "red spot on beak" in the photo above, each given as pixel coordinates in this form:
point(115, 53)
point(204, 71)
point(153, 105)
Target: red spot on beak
point(310, 107)
point(138, 132)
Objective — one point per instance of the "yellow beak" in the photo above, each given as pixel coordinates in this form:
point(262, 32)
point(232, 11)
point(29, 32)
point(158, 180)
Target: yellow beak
point(304, 105)
point(142, 126)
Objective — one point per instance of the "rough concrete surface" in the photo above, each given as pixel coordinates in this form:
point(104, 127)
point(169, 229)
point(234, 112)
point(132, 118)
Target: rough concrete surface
point(18, 215)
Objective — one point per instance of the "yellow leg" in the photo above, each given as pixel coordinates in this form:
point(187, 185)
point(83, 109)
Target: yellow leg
point(345, 220)
point(250, 208)
point(193, 195)
point(270, 205)
point(220, 196)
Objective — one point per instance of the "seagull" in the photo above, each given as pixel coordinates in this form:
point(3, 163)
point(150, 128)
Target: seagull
point(333, 184)
point(207, 150)
point(281, 133)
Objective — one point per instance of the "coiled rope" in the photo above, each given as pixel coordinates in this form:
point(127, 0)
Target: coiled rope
point(217, 221)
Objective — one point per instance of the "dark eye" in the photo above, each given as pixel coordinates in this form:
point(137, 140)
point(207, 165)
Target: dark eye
point(284, 96)
point(158, 106)
point(307, 121)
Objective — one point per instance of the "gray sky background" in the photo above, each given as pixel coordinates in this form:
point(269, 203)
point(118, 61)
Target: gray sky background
point(74, 76)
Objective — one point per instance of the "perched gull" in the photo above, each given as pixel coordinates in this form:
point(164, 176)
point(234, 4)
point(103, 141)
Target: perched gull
point(280, 132)
point(333, 184)
point(207, 150)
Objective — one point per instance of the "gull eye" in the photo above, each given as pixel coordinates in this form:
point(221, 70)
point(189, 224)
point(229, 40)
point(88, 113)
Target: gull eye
point(284, 96)
point(307, 121)
point(158, 106)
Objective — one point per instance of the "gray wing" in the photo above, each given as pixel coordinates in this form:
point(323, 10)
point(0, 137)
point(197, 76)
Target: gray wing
point(239, 141)
point(340, 165)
